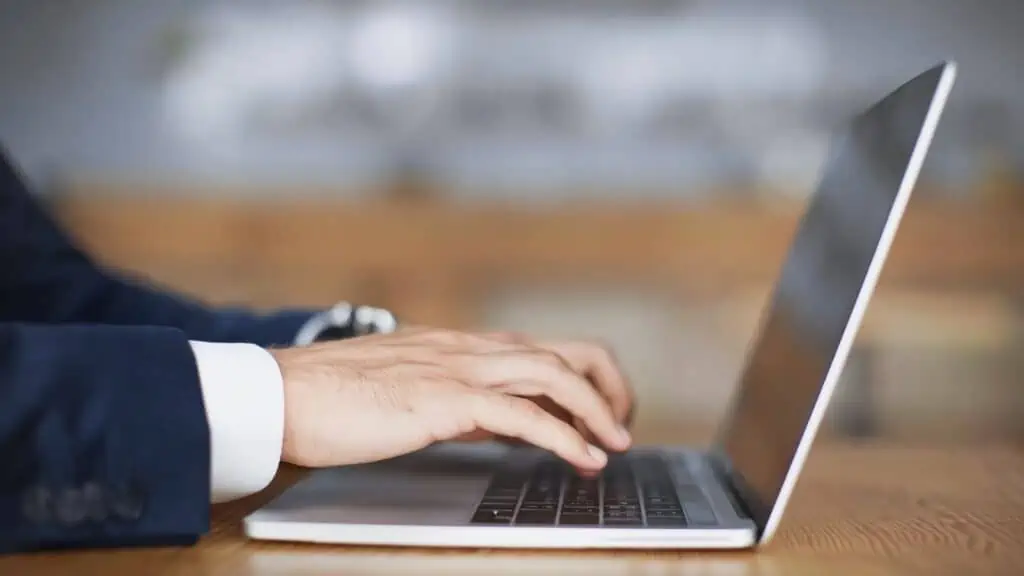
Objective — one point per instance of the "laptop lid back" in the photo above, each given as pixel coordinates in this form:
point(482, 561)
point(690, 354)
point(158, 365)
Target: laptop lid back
point(819, 301)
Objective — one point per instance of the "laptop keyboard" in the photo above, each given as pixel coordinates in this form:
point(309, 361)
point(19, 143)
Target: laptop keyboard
point(631, 492)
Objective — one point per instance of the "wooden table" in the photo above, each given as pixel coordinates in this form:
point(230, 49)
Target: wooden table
point(861, 509)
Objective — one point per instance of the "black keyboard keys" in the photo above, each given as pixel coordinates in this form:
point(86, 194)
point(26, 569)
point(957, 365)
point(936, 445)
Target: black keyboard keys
point(632, 492)
point(582, 496)
point(539, 517)
point(492, 516)
point(581, 505)
point(499, 503)
point(540, 503)
point(659, 493)
point(621, 500)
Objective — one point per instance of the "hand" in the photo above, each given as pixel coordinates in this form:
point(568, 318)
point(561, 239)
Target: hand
point(376, 397)
point(593, 361)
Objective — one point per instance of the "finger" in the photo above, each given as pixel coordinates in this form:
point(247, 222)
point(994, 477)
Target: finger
point(475, 436)
point(507, 337)
point(582, 427)
point(577, 397)
point(562, 414)
point(600, 366)
point(520, 418)
point(590, 360)
point(551, 407)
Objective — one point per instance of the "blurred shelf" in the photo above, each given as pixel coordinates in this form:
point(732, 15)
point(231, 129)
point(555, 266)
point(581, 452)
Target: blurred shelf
point(702, 248)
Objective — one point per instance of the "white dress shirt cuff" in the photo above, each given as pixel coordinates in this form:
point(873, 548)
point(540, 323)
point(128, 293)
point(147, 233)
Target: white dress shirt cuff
point(244, 397)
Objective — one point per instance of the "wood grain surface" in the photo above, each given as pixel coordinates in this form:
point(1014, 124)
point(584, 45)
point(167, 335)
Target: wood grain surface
point(859, 510)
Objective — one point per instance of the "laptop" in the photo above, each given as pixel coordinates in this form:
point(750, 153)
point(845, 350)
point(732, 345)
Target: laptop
point(731, 494)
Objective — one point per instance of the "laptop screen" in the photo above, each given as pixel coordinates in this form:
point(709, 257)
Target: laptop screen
point(813, 301)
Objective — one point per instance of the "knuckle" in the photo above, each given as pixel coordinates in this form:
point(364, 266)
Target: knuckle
point(443, 335)
point(507, 337)
point(443, 425)
point(482, 402)
point(457, 384)
point(548, 358)
point(600, 349)
point(441, 388)
point(451, 423)
point(446, 335)
point(525, 407)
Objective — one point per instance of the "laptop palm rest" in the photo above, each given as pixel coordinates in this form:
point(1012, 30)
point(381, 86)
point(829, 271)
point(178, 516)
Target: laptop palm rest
point(438, 486)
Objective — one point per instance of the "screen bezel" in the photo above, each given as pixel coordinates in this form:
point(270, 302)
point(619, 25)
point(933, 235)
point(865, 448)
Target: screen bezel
point(765, 517)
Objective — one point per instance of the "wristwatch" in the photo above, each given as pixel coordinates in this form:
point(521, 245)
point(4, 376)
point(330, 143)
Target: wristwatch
point(346, 320)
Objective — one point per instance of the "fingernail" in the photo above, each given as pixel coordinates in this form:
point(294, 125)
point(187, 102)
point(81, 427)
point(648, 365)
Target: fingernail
point(597, 454)
point(627, 438)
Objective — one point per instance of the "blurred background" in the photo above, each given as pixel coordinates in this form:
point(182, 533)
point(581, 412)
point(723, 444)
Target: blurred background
point(627, 171)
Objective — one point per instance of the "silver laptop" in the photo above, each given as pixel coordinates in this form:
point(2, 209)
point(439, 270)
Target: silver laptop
point(729, 495)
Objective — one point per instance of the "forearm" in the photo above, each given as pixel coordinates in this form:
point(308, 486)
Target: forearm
point(127, 301)
point(103, 436)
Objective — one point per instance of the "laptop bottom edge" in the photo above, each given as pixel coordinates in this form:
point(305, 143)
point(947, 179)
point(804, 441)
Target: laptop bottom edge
point(470, 536)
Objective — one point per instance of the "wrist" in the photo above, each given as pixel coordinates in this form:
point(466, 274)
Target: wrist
point(309, 427)
point(287, 365)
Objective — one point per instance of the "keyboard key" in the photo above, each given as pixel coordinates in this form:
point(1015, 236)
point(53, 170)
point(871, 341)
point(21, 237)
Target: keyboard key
point(666, 522)
point(500, 498)
point(620, 490)
point(505, 481)
point(492, 517)
point(543, 488)
point(664, 511)
point(700, 514)
point(535, 506)
point(660, 502)
point(623, 522)
point(536, 517)
point(608, 516)
point(567, 509)
point(509, 506)
point(580, 519)
point(583, 485)
point(504, 493)
point(664, 514)
point(542, 491)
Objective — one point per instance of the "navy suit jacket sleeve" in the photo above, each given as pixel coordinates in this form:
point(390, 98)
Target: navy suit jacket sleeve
point(44, 278)
point(103, 438)
point(103, 432)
